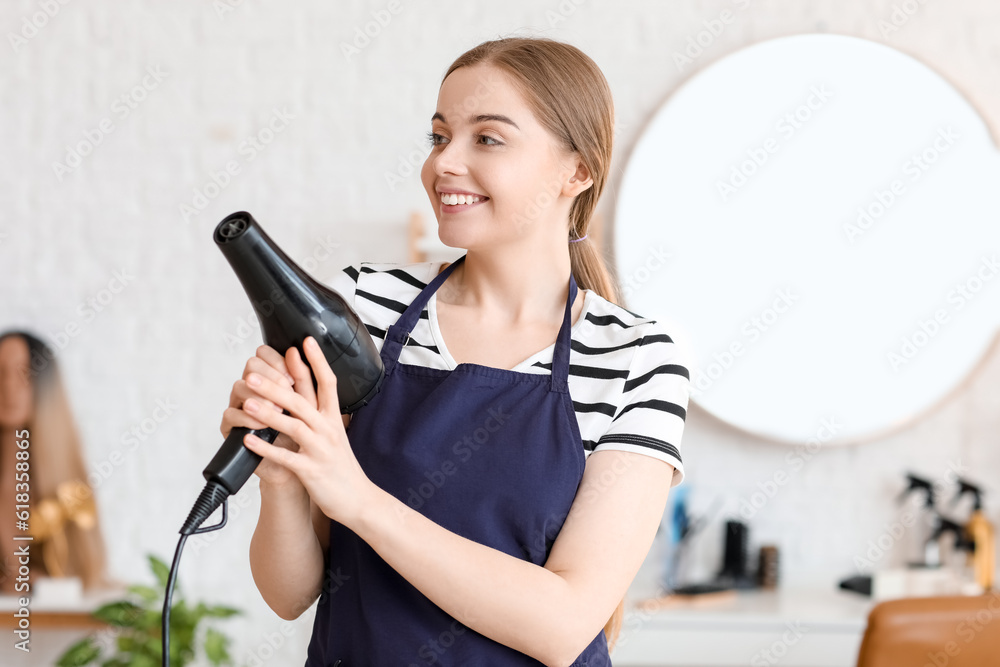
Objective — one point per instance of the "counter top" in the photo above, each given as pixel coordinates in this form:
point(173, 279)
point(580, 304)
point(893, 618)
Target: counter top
point(815, 627)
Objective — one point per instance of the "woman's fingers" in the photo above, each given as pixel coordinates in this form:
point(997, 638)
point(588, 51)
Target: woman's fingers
point(234, 415)
point(234, 418)
point(274, 359)
point(326, 380)
point(269, 364)
point(301, 375)
point(242, 391)
point(279, 455)
point(292, 427)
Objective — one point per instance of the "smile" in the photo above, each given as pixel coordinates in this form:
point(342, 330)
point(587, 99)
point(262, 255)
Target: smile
point(457, 203)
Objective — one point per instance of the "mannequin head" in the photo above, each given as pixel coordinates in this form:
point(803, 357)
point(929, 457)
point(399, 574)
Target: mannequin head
point(33, 399)
point(16, 387)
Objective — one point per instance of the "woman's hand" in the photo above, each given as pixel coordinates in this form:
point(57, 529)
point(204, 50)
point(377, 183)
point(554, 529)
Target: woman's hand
point(270, 364)
point(324, 461)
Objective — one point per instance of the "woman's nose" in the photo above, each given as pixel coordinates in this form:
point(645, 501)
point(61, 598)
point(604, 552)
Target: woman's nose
point(449, 160)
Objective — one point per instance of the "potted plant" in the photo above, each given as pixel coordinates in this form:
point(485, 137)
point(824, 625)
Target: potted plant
point(136, 623)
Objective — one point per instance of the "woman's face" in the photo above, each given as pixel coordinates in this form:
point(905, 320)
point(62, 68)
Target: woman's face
point(15, 382)
point(488, 142)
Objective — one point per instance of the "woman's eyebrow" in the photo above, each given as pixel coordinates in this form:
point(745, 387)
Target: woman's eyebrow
point(478, 119)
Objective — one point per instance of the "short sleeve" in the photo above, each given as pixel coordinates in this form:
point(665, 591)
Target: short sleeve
point(651, 414)
point(345, 283)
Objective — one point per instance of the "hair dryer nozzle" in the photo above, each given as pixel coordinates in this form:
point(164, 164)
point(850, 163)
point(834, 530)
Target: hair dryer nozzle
point(232, 226)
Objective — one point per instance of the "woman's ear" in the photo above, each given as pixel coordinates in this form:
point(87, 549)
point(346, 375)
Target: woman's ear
point(579, 181)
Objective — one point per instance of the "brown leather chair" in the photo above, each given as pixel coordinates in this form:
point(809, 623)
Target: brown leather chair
point(959, 631)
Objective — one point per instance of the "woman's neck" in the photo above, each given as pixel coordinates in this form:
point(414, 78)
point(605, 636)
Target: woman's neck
point(519, 291)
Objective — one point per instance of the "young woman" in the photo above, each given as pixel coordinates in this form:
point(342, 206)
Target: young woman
point(34, 408)
point(493, 502)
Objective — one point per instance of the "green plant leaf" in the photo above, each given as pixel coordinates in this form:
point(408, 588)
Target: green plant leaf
point(143, 660)
point(147, 593)
point(162, 572)
point(216, 645)
point(139, 642)
point(222, 612)
point(126, 643)
point(79, 654)
point(150, 621)
point(123, 614)
point(116, 662)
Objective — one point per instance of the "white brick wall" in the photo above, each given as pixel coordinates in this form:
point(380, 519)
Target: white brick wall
point(323, 179)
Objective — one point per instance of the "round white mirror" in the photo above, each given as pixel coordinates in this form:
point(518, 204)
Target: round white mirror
point(815, 217)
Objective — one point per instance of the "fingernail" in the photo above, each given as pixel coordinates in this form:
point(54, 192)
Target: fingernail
point(253, 380)
point(250, 405)
point(291, 380)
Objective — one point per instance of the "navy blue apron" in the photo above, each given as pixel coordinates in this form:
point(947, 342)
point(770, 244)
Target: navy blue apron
point(491, 454)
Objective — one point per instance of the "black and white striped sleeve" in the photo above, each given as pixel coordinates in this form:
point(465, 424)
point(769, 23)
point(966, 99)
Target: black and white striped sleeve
point(345, 283)
point(650, 417)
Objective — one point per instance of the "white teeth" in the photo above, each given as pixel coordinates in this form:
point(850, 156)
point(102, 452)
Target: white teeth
point(452, 199)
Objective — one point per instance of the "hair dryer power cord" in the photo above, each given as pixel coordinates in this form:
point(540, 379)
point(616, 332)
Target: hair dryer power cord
point(212, 496)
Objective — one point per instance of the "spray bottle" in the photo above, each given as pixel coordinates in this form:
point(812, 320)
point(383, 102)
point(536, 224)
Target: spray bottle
point(982, 535)
point(930, 538)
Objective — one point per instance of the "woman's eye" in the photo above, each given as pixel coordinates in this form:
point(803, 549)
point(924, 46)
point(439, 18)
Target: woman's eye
point(434, 139)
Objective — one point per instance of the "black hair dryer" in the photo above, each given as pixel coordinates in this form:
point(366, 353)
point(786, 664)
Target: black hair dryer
point(290, 306)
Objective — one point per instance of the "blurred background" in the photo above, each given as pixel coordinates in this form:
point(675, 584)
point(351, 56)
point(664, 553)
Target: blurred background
point(131, 129)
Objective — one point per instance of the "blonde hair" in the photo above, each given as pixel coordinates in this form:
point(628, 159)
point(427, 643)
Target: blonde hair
point(56, 456)
point(570, 97)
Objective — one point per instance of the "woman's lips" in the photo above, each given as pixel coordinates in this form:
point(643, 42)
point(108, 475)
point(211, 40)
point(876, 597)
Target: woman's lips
point(458, 208)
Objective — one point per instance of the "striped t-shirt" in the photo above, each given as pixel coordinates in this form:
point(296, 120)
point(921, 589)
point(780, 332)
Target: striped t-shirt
point(627, 383)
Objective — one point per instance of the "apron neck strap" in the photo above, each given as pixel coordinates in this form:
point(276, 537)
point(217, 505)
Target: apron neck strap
point(399, 333)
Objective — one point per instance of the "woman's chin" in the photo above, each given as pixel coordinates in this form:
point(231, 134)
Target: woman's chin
point(457, 236)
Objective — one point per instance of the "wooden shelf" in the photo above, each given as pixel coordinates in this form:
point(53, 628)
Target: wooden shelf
point(62, 620)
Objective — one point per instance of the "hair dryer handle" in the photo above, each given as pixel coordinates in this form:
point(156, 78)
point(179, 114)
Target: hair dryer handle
point(233, 464)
